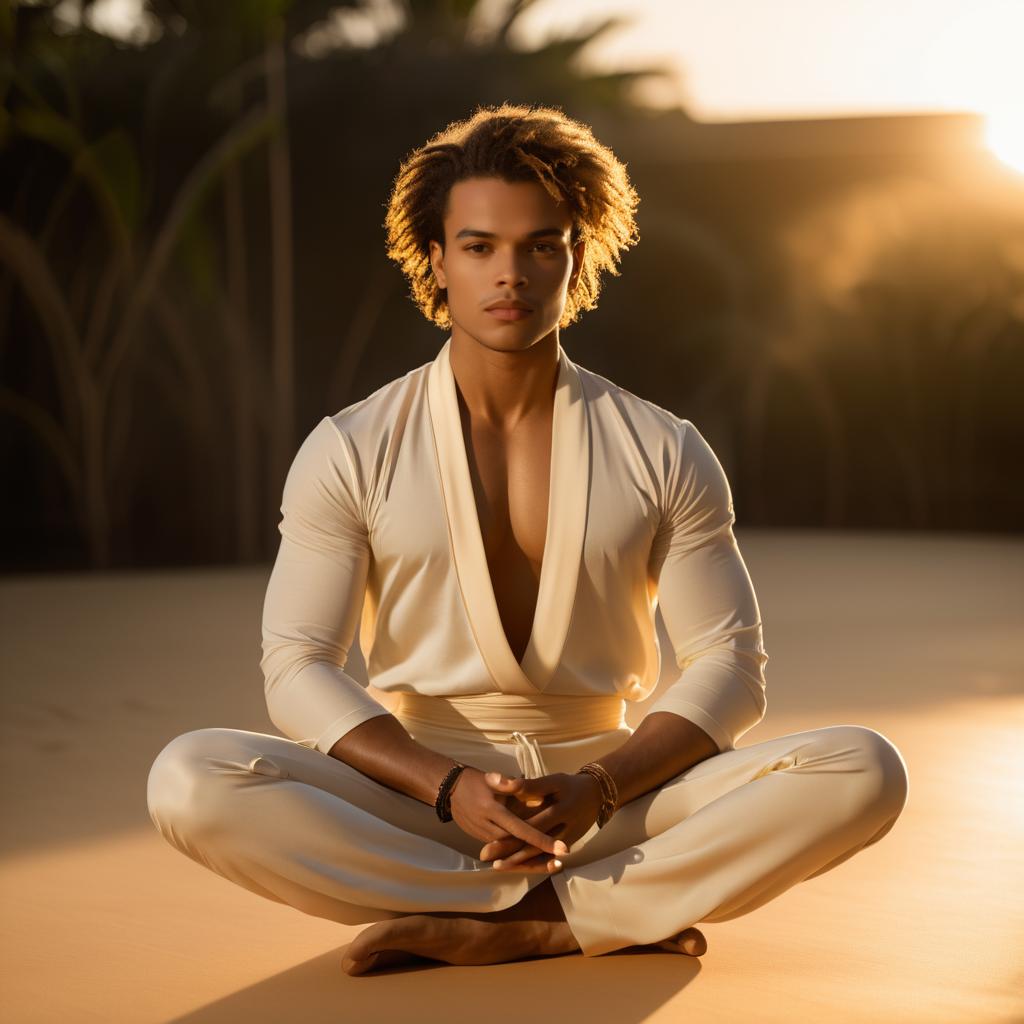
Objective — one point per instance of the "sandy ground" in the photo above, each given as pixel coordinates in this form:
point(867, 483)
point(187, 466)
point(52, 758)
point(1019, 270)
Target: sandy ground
point(918, 637)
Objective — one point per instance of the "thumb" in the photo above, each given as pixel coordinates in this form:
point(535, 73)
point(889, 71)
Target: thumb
point(518, 788)
point(498, 781)
point(530, 792)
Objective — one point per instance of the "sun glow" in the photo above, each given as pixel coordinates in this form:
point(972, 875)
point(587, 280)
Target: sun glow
point(1004, 134)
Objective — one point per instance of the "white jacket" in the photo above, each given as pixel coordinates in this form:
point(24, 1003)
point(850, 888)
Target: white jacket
point(378, 509)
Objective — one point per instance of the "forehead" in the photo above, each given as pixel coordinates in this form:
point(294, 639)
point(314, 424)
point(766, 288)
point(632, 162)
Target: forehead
point(492, 204)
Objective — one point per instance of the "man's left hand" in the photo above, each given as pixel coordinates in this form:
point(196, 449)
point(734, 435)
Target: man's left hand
point(562, 805)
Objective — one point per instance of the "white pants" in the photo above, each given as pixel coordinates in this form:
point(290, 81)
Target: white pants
point(715, 842)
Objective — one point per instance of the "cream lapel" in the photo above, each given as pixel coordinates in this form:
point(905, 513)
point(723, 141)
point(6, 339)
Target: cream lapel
point(566, 527)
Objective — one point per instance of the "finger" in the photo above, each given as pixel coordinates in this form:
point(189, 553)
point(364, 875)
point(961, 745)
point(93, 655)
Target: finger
point(513, 790)
point(509, 788)
point(539, 863)
point(501, 782)
point(523, 830)
point(523, 852)
point(503, 847)
point(518, 828)
point(527, 800)
point(544, 864)
point(521, 855)
point(550, 821)
point(520, 810)
point(531, 792)
point(510, 863)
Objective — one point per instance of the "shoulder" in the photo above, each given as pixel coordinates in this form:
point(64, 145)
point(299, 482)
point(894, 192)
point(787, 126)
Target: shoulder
point(342, 450)
point(659, 433)
point(679, 456)
point(366, 420)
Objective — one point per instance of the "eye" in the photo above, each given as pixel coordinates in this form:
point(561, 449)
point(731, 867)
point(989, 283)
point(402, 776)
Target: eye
point(477, 246)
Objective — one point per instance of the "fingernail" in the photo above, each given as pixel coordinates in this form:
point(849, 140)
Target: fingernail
point(559, 843)
point(497, 863)
point(557, 863)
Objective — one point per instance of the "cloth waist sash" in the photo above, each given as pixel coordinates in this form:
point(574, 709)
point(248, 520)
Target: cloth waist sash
point(515, 718)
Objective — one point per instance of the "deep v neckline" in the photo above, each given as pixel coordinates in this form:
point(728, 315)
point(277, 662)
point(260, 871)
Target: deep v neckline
point(568, 492)
point(479, 525)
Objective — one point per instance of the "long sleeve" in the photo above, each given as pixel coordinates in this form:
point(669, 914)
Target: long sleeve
point(311, 608)
point(707, 599)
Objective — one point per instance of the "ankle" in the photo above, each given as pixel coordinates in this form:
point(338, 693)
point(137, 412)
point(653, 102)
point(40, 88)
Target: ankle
point(558, 939)
point(543, 904)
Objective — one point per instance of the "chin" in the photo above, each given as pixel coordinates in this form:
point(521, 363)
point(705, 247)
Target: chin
point(519, 343)
point(513, 337)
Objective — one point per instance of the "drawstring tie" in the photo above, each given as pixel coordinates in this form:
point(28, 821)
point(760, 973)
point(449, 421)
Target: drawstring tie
point(528, 755)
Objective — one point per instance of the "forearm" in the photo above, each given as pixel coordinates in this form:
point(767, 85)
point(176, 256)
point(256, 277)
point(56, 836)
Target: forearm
point(662, 746)
point(382, 749)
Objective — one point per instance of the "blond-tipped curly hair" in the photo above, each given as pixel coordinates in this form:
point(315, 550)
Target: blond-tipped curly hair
point(515, 143)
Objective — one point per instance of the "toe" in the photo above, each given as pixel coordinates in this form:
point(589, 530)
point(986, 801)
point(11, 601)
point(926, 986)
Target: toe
point(692, 941)
point(352, 966)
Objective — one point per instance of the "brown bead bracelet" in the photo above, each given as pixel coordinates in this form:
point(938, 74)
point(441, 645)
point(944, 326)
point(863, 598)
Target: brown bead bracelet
point(443, 803)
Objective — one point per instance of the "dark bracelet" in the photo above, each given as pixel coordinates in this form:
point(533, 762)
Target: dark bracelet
point(443, 803)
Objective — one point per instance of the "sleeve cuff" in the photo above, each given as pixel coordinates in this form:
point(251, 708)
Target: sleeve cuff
point(340, 726)
point(696, 714)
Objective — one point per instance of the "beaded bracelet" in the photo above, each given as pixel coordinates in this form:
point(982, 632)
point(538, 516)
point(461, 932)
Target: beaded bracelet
point(443, 803)
point(609, 791)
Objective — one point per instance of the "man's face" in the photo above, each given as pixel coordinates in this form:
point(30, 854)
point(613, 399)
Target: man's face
point(505, 241)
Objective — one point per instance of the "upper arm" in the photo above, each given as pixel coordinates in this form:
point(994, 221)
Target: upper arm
point(705, 593)
point(315, 592)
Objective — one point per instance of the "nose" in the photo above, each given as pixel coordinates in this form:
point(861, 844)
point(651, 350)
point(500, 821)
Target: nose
point(511, 272)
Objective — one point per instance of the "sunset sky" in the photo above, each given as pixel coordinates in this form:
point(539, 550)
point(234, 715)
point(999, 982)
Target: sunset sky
point(747, 59)
point(736, 60)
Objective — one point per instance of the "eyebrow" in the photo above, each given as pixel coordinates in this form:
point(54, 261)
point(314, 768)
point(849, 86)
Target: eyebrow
point(540, 232)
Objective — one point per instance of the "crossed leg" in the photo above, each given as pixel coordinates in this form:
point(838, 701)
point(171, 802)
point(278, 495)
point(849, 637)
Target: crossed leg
point(298, 827)
point(711, 844)
point(535, 926)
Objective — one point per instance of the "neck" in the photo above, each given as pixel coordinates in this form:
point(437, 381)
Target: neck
point(502, 387)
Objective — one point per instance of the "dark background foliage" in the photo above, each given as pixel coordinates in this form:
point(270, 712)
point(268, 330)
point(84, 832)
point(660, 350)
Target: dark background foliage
point(192, 274)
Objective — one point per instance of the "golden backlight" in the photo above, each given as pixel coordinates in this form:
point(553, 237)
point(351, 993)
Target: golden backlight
point(1004, 134)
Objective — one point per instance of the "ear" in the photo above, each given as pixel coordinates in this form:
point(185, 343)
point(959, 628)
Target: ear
point(437, 264)
point(577, 263)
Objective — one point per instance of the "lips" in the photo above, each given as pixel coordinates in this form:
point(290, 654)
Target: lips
point(509, 313)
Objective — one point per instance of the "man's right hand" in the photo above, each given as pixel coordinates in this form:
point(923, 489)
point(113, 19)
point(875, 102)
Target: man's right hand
point(482, 813)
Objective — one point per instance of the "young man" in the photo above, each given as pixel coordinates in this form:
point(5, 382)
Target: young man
point(510, 522)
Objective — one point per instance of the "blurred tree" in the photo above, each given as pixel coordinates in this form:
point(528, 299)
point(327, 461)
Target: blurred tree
point(158, 126)
point(238, 44)
point(121, 268)
point(191, 236)
point(905, 298)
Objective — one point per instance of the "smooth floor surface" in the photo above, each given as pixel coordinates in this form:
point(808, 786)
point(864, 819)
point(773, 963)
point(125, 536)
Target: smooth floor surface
point(104, 921)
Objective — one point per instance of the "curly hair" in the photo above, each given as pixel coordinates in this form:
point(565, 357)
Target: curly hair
point(515, 143)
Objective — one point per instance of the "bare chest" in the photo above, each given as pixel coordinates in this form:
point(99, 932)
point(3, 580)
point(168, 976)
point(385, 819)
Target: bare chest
point(511, 479)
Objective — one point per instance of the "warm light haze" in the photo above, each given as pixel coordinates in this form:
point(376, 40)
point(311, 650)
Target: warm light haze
point(739, 60)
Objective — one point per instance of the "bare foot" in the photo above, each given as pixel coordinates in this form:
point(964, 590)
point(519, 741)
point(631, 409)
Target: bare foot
point(454, 940)
point(689, 941)
point(463, 940)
